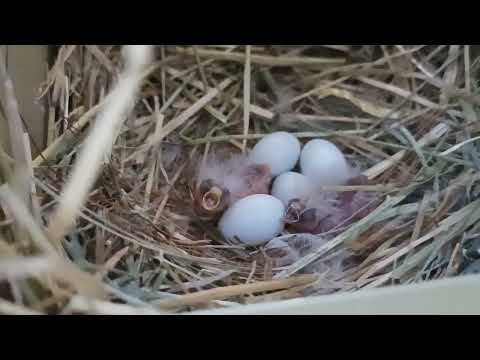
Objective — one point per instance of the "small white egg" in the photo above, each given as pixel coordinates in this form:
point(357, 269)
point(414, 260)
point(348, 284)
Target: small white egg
point(324, 164)
point(291, 185)
point(253, 220)
point(279, 150)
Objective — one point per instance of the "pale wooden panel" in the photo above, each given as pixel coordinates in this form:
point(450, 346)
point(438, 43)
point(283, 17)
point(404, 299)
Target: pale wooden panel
point(3, 122)
point(27, 66)
point(449, 296)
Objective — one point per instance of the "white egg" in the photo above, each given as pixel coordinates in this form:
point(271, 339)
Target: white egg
point(253, 220)
point(324, 164)
point(279, 150)
point(291, 185)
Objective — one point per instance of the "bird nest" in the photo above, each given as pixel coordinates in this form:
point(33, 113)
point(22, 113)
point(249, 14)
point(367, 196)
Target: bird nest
point(103, 222)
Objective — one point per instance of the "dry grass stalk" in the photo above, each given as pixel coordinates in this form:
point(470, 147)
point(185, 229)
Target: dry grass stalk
point(99, 143)
point(254, 109)
point(51, 262)
point(263, 59)
point(188, 113)
point(236, 290)
point(60, 143)
point(435, 134)
point(246, 94)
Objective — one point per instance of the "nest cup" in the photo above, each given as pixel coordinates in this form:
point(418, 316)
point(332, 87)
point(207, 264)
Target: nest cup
point(137, 235)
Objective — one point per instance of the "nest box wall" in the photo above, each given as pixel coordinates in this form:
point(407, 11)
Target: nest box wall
point(27, 67)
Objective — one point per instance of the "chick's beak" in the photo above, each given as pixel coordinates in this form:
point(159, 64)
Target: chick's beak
point(210, 199)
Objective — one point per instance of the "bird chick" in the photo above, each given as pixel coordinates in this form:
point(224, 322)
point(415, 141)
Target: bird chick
point(331, 212)
point(220, 183)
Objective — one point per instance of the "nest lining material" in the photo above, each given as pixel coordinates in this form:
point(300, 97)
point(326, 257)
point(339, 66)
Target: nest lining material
point(136, 246)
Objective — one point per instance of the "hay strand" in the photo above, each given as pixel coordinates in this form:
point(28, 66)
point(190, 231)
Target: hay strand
point(99, 143)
